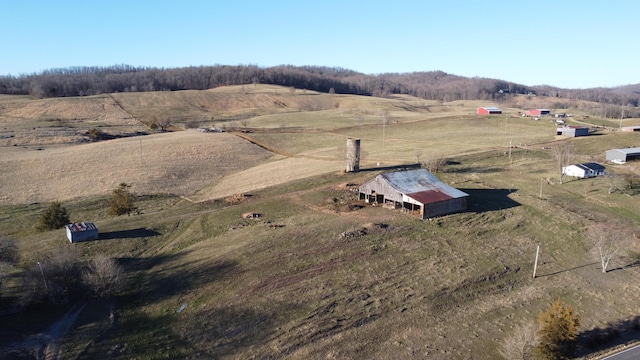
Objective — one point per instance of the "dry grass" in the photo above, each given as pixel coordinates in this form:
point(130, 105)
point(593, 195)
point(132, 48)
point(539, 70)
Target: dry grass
point(179, 163)
point(454, 287)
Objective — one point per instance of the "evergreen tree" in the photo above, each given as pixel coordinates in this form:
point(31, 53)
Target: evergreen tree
point(121, 201)
point(558, 331)
point(54, 217)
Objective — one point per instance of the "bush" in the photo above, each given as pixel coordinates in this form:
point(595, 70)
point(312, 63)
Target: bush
point(52, 281)
point(121, 201)
point(558, 331)
point(104, 276)
point(54, 217)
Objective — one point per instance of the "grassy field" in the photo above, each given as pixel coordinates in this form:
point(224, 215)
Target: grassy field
point(289, 285)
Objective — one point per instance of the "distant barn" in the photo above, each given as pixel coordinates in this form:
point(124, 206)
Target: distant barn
point(82, 231)
point(573, 131)
point(538, 112)
point(621, 156)
point(488, 110)
point(414, 191)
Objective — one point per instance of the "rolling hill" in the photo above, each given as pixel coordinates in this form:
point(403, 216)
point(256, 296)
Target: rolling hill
point(203, 281)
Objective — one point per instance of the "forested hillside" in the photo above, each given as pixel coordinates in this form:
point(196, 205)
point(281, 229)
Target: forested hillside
point(432, 85)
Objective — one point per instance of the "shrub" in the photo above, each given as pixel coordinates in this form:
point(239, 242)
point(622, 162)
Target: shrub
point(54, 217)
point(104, 276)
point(121, 201)
point(558, 331)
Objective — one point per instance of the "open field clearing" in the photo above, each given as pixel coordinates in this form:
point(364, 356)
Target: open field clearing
point(177, 163)
point(203, 281)
point(25, 122)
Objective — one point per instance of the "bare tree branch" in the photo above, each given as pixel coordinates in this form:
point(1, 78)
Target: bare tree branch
point(607, 241)
point(563, 153)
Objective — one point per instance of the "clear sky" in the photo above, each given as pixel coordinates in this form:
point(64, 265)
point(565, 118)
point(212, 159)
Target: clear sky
point(564, 43)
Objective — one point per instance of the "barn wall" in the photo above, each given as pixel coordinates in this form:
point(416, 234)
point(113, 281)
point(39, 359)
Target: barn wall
point(444, 207)
point(616, 155)
point(381, 187)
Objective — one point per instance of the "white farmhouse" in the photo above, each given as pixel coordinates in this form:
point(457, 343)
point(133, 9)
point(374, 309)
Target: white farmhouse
point(586, 170)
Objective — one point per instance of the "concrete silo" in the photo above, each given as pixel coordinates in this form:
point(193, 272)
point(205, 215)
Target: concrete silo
point(353, 155)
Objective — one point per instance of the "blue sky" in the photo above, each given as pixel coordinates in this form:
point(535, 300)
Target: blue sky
point(565, 43)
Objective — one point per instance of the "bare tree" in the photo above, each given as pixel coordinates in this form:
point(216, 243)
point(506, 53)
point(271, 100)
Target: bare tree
point(8, 258)
point(607, 241)
point(52, 280)
point(385, 121)
point(612, 182)
point(520, 345)
point(418, 154)
point(104, 276)
point(563, 153)
point(434, 163)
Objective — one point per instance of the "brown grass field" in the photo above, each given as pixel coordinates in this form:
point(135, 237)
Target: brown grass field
point(288, 285)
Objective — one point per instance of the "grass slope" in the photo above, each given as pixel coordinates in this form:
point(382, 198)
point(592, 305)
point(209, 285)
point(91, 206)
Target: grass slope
point(289, 285)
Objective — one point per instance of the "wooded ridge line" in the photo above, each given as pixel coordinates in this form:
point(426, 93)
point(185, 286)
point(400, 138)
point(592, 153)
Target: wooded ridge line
point(431, 85)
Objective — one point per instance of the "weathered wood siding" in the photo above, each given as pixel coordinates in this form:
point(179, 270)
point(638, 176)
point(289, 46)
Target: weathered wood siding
point(380, 187)
point(444, 207)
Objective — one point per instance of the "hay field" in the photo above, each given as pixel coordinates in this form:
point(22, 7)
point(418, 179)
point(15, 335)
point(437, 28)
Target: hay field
point(178, 163)
point(454, 287)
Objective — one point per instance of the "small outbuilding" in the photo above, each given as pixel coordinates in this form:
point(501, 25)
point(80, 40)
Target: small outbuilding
point(573, 131)
point(582, 171)
point(82, 231)
point(621, 156)
point(415, 191)
point(489, 110)
point(538, 112)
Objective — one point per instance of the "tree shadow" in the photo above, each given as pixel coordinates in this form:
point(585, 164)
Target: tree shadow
point(610, 336)
point(393, 167)
point(127, 234)
point(186, 331)
point(482, 200)
point(169, 275)
point(477, 170)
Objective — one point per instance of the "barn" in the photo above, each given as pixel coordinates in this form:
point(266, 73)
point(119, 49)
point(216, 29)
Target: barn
point(573, 131)
point(586, 170)
point(631, 128)
point(82, 231)
point(621, 156)
point(489, 110)
point(414, 191)
point(538, 112)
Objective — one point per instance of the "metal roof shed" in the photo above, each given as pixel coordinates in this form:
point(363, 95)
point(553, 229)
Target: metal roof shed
point(489, 110)
point(621, 156)
point(414, 191)
point(83, 231)
point(573, 131)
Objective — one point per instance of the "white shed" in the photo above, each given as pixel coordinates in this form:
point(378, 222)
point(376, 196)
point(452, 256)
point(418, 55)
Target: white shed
point(82, 231)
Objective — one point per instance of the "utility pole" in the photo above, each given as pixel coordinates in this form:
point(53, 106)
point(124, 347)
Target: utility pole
point(510, 141)
point(541, 180)
point(535, 265)
point(621, 117)
point(43, 278)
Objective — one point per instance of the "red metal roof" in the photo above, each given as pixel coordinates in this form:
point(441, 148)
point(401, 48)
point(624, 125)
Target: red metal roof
point(428, 197)
point(422, 186)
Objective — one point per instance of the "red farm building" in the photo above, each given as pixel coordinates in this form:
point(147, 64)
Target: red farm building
point(489, 110)
point(538, 112)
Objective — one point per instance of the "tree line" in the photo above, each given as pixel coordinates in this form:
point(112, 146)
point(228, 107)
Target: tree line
point(432, 85)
